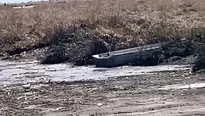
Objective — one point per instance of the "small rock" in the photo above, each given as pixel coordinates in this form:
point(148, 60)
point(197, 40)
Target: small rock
point(100, 104)
point(120, 87)
point(21, 97)
point(174, 58)
point(26, 86)
point(28, 93)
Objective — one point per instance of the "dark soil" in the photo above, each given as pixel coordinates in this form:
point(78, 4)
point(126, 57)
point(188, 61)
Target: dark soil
point(199, 64)
point(180, 52)
point(77, 45)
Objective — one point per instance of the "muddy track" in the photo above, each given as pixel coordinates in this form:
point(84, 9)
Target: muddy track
point(122, 96)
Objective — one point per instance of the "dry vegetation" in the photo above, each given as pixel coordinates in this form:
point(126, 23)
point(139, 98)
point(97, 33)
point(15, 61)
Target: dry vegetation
point(138, 19)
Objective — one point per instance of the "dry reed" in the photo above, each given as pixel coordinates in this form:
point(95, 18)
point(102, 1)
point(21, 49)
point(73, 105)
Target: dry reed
point(138, 19)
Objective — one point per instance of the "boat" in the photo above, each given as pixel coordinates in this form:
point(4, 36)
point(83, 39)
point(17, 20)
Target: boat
point(122, 57)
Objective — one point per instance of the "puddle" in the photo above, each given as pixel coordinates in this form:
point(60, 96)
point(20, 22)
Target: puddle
point(30, 71)
point(187, 86)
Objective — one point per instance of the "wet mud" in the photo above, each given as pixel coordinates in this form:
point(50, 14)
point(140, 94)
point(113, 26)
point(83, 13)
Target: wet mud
point(15, 72)
point(176, 92)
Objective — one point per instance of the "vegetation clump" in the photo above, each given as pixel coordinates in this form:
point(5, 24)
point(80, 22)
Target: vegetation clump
point(199, 63)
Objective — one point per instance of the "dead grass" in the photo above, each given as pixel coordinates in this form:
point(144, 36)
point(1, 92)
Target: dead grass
point(136, 19)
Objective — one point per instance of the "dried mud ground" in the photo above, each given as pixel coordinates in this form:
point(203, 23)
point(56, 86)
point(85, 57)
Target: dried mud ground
point(160, 94)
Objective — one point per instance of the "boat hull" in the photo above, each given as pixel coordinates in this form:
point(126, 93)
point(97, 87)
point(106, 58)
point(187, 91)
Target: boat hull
point(123, 57)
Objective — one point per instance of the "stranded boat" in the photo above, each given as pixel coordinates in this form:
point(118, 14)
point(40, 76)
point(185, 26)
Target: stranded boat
point(122, 57)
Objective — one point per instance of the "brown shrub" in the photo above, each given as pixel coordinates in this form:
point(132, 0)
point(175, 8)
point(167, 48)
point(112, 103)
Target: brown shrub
point(139, 20)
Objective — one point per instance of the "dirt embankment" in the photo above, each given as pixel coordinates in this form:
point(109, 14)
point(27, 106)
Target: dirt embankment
point(74, 30)
point(77, 45)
